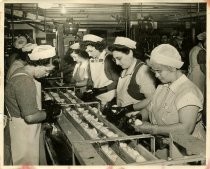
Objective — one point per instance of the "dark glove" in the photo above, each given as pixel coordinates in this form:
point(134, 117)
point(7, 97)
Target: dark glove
point(52, 110)
point(133, 118)
point(87, 97)
point(108, 105)
point(121, 111)
point(98, 91)
point(47, 104)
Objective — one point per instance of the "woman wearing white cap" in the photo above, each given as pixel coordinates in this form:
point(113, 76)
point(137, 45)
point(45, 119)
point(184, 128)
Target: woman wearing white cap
point(104, 73)
point(195, 73)
point(136, 83)
point(177, 102)
point(81, 70)
point(23, 103)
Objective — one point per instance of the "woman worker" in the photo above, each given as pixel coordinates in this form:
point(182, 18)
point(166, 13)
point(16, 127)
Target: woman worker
point(195, 74)
point(103, 71)
point(19, 62)
point(177, 102)
point(136, 84)
point(23, 103)
point(81, 70)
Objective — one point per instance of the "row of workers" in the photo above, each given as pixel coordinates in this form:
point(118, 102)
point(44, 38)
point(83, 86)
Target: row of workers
point(175, 105)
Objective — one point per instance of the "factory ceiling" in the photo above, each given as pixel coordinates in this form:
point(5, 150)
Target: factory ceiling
point(106, 15)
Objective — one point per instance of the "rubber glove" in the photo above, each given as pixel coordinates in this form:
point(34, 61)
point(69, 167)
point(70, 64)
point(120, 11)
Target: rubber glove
point(52, 110)
point(121, 111)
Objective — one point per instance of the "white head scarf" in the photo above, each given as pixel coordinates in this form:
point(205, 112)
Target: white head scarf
point(166, 54)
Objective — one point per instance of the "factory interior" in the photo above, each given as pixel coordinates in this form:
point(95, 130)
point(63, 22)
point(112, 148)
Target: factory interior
point(105, 83)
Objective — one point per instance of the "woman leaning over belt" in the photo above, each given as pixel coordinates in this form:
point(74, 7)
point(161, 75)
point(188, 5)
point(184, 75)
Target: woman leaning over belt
point(136, 84)
point(103, 71)
point(23, 103)
point(81, 70)
point(177, 102)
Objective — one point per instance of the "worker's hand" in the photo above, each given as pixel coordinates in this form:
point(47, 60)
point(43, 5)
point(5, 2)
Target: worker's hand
point(121, 111)
point(133, 118)
point(88, 96)
point(47, 104)
point(98, 91)
point(145, 127)
point(107, 110)
point(53, 113)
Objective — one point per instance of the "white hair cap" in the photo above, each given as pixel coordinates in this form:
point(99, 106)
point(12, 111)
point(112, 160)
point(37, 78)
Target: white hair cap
point(201, 36)
point(20, 42)
point(166, 54)
point(75, 46)
point(125, 42)
point(29, 47)
point(92, 38)
point(42, 52)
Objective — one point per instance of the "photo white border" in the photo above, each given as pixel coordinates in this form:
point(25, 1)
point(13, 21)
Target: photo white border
point(98, 2)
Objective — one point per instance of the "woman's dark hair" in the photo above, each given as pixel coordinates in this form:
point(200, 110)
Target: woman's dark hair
point(67, 58)
point(100, 46)
point(82, 53)
point(123, 49)
point(20, 54)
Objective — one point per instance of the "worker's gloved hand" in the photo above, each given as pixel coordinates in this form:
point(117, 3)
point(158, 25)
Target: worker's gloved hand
point(133, 118)
point(121, 111)
point(47, 104)
point(107, 110)
point(88, 96)
point(109, 104)
point(98, 91)
point(52, 112)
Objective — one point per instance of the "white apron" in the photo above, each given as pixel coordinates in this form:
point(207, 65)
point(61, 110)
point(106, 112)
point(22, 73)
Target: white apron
point(79, 74)
point(25, 137)
point(100, 79)
point(123, 98)
point(195, 74)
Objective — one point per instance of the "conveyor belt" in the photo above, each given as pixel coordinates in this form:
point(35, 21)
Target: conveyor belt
point(85, 153)
point(88, 150)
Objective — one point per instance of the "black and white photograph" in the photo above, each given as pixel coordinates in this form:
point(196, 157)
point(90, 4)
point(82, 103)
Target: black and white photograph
point(104, 83)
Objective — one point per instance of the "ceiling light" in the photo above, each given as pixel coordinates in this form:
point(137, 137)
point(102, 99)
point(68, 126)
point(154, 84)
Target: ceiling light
point(45, 5)
point(63, 10)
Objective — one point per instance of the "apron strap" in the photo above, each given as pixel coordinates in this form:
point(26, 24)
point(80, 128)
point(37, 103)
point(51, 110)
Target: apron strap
point(8, 113)
point(18, 74)
point(136, 94)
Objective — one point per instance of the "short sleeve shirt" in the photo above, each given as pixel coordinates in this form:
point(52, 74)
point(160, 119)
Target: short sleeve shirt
point(20, 96)
point(167, 101)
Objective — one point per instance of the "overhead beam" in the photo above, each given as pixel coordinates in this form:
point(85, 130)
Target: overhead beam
point(188, 16)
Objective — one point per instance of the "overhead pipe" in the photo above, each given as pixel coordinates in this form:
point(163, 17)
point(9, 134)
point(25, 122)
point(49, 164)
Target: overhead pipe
point(37, 11)
point(36, 27)
point(12, 18)
point(127, 19)
point(45, 20)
